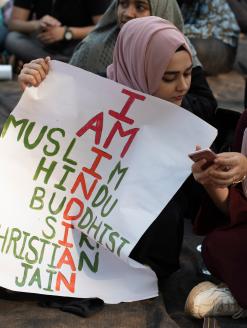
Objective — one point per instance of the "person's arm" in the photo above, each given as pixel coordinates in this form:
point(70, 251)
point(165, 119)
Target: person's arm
point(19, 21)
point(219, 195)
point(200, 99)
point(56, 33)
point(82, 32)
point(231, 169)
point(228, 168)
point(97, 9)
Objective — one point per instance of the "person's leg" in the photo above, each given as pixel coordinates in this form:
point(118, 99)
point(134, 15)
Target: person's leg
point(224, 252)
point(3, 34)
point(25, 47)
point(215, 56)
point(160, 245)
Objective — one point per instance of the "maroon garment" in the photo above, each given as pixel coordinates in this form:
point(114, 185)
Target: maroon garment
point(224, 249)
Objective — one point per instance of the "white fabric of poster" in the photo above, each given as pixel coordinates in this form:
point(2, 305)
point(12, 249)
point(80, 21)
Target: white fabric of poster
point(86, 166)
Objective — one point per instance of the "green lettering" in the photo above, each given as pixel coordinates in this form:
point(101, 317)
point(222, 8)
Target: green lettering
point(112, 235)
point(88, 213)
point(11, 119)
point(102, 192)
point(53, 230)
point(35, 278)
point(38, 195)
point(36, 142)
point(104, 214)
point(92, 266)
point(120, 172)
point(33, 249)
point(68, 170)
point(67, 153)
point(124, 242)
point(59, 207)
point(48, 170)
point(53, 141)
point(51, 274)
point(24, 278)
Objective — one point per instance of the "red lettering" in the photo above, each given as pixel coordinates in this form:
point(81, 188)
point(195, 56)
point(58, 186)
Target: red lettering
point(64, 242)
point(122, 115)
point(69, 285)
point(96, 125)
point(100, 154)
point(77, 201)
point(118, 127)
point(81, 180)
point(66, 258)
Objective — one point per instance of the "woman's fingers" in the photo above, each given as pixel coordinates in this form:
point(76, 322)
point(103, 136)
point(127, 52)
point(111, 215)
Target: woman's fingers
point(44, 62)
point(34, 72)
point(199, 174)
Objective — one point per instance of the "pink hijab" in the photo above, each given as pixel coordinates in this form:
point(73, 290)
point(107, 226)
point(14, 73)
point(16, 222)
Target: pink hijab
point(143, 51)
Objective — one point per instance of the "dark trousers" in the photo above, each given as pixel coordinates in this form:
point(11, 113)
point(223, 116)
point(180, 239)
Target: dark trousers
point(28, 47)
point(3, 34)
point(161, 244)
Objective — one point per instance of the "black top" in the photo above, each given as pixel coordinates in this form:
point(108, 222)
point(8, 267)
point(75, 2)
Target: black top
point(75, 13)
point(200, 99)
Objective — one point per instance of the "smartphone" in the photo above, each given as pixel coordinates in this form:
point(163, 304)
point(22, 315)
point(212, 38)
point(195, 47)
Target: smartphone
point(206, 153)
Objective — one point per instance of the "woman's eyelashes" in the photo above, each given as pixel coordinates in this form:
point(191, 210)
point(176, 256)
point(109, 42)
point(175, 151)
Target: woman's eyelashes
point(171, 77)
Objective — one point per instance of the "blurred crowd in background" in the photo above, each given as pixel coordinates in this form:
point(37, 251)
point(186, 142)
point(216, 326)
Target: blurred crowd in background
point(30, 29)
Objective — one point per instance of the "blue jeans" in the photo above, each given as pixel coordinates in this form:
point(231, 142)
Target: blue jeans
point(28, 47)
point(3, 34)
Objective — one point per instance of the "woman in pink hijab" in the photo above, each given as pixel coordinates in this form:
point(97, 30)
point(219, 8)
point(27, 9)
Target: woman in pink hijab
point(152, 56)
point(146, 58)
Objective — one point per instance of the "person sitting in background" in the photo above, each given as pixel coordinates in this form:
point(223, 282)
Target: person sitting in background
point(3, 27)
point(51, 27)
point(239, 7)
point(213, 30)
point(223, 219)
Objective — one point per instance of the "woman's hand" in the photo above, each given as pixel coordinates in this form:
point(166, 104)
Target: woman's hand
point(49, 21)
point(201, 175)
point(229, 168)
point(33, 73)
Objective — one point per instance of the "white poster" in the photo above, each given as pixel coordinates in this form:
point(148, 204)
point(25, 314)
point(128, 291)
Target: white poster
point(86, 166)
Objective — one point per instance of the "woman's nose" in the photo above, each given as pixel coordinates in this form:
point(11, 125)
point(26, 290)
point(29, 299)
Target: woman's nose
point(183, 84)
point(130, 12)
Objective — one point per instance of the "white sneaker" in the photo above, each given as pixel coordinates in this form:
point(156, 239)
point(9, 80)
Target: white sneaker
point(209, 300)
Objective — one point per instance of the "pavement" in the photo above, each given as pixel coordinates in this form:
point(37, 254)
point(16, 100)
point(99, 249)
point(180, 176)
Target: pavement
point(23, 310)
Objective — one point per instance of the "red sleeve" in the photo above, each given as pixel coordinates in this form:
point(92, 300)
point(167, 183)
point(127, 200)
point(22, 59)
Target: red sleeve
point(210, 217)
point(237, 206)
point(241, 126)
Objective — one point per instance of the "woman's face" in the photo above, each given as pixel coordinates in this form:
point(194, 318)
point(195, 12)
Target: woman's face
point(176, 80)
point(129, 9)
